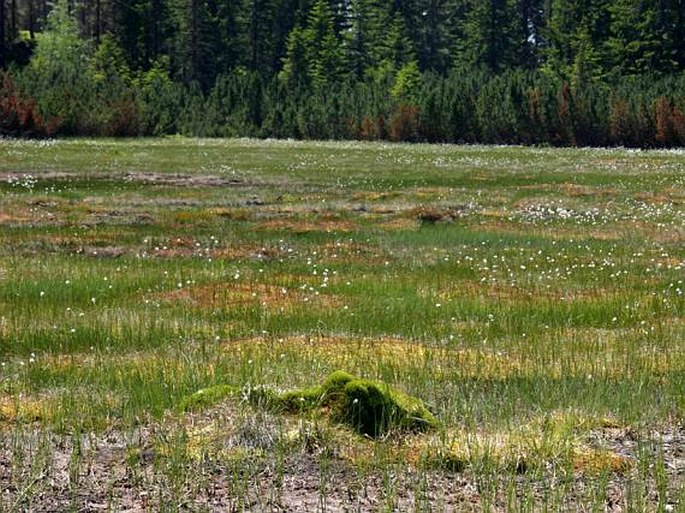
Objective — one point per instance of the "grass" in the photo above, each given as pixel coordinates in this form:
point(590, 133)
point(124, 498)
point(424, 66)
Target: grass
point(532, 298)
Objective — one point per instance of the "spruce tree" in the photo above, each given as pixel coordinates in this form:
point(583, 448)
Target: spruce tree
point(492, 38)
point(58, 75)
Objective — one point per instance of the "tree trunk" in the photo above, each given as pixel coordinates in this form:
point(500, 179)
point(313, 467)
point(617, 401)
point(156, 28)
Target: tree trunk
point(157, 12)
point(13, 20)
point(254, 35)
point(32, 19)
point(2, 34)
point(98, 21)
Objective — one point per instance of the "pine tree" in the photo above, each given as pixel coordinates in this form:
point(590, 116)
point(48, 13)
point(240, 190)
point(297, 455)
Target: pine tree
point(325, 59)
point(647, 36)
point(394, 51)
point(365, 24)
point(193, 55)
point(315, 56)
point(295, 72)
point(58, 75)
point(287, 15)
point(431, 34)
point(575, 38)
point(531, 19)
point(258, 25)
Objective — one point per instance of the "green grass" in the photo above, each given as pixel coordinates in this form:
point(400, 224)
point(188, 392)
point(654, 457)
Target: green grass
point(541, 320)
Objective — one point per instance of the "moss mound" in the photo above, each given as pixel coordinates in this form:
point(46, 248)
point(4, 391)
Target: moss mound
point(207, 397)
point(370, 407)
point(374, 408)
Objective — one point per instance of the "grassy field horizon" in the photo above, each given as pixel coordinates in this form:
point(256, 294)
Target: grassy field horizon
point(530, 298)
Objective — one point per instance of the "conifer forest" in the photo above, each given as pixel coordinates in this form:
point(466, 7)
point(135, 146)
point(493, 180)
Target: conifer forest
point(557, 72)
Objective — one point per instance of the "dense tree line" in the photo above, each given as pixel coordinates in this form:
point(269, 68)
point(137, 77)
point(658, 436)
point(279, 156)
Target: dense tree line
point(563, 72)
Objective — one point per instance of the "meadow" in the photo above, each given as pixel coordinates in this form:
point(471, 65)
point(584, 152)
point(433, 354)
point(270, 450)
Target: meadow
point(531, 298)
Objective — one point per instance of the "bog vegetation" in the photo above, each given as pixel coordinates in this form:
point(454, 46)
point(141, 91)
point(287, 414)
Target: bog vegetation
point(557, 72)
point(253, 325)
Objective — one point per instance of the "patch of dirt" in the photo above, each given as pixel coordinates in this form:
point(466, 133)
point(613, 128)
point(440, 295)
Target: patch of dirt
point(572, 189)
point(45, 175)
point(154, 467)
point(32, 214)
point(15, 217)
point(189, 248)
point(653, 198)
point(227, 295)
point(252, 252)
point(114, 472)
point(308, 226)
point(668, 235)
point(432, 215)
point(352, 252)
point(117, 218)
point(96, 245)
point(503, 291)
point(102, 251)
point(398, 224)
point(181, 180)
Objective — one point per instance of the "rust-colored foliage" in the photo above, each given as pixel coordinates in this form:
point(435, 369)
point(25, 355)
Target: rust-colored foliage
point(404, 123)
point(663, 113)
point(19, 116)
point(670, 123)
point(535, 107)
point(679, 126)
point(619, 126)
point(124, 120)
point(564, 133)
point(372, 129)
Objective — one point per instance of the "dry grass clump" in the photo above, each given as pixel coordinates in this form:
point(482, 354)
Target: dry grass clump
point(226, 295)
point(23, 408)
point(600, 461)
point(307, 226)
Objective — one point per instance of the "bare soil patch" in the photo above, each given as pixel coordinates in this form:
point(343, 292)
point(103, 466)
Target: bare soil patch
point(9, 176)
point(182, 180)
point(102, 251)
point(138, 470)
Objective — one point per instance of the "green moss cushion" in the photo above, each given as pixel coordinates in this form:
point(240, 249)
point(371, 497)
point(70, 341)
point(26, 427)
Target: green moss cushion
point(370, 407)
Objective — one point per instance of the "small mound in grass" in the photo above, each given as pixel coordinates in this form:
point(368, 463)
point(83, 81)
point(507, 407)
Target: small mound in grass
point(206, 397)
point(373, 408)
point(370, 407)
